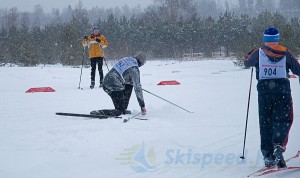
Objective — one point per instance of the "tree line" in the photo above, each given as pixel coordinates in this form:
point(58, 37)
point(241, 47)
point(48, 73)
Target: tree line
point(166, 29)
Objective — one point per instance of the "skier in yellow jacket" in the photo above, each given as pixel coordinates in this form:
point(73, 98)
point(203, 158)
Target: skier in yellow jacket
point(96, 42)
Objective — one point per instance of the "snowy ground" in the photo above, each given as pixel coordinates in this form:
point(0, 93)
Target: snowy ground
point(37, 143)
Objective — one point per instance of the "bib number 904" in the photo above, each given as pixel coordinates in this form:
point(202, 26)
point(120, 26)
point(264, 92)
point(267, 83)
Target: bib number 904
point(270, 71)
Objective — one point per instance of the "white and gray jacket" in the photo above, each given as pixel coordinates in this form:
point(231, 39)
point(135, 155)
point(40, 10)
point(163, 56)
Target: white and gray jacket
point(125, 71)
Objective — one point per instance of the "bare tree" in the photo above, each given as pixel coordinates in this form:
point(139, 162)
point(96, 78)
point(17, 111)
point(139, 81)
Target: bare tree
point(10, 18)
point(207, 8)
point(55, 17)
point(67, 14)
point(174, 9)
point(38, 16)
point(24, 20)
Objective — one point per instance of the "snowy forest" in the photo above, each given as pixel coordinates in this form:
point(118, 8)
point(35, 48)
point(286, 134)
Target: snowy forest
point(165, 29)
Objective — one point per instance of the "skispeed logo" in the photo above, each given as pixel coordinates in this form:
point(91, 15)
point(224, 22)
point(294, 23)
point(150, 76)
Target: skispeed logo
point(138, 159)
point(188, 157)
point(142, 159)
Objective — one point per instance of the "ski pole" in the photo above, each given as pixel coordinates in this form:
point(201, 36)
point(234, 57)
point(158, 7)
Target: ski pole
point(243, 156)
point(106, 63)
point(126, 120)
point(167, 101)
point(103, 57)
point(81, 68)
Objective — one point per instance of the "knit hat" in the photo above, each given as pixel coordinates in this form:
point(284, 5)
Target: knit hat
point(141, 57)
point(271, 35)
point(96, 27)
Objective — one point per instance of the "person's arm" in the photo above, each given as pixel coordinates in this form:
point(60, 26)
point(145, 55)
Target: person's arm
point(252, 59)
point(293, 63)
point(85, 41)
point(138, 88)
point(102, 40)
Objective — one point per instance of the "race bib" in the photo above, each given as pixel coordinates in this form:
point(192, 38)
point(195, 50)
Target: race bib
point(269, 69)
point(122, 65)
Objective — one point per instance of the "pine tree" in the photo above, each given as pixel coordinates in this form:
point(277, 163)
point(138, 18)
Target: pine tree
point(4, 46)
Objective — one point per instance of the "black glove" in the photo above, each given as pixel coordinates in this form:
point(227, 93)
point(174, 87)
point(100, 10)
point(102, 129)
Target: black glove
point(85, 37)
point(98, 41)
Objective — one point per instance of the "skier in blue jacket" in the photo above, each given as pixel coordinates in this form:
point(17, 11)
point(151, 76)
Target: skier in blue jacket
point(273, 63)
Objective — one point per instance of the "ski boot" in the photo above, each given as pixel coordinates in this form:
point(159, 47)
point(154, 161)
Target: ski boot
point(269, 161)
point(97, 112)
point(92, 84)
point(126, 112)
point(279, 159)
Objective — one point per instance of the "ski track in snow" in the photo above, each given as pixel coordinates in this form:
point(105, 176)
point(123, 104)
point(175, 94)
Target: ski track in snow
point(37, 143)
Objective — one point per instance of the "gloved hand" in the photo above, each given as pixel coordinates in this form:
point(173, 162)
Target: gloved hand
point(98, 41)
point(143, 110)
point(85, 37)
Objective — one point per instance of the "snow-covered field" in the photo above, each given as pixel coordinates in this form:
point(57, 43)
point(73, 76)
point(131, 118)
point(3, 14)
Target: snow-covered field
point(36, 143)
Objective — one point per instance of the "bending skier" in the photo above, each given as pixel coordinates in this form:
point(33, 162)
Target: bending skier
point(272, 63)
point(118, 84)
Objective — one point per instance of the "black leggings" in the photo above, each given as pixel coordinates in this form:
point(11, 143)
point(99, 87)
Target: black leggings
point(94, 62)
point(120, 100)
point(275, 120)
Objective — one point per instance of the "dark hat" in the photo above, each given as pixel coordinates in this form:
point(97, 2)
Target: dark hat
point(271, 35)
point(96, 27)
point(141, 57)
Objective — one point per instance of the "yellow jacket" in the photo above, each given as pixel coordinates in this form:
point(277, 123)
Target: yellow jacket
point(95, 48)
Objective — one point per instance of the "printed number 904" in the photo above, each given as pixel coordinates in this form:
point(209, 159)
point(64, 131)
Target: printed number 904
point(270, 71)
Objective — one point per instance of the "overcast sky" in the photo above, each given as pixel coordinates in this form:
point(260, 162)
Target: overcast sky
point(28, 5)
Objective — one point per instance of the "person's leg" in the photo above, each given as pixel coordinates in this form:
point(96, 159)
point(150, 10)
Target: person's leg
point(107, 112)
point(100, 65)
point(266, 125)
point(127, 94)
point(283, 119)
point(93, 69)
point(291, 121)
point(117, 98)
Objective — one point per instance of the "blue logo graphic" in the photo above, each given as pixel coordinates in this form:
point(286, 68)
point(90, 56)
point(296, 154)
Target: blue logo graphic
point(138, 159)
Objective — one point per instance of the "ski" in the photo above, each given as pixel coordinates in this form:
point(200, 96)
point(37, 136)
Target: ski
point(279, 170)
point(272, 167)
point(86, 115)
point(140, 118)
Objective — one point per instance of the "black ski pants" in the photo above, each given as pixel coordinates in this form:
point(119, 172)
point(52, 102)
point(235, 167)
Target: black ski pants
point(275, 120)
point(94, 62)
point(120, 100)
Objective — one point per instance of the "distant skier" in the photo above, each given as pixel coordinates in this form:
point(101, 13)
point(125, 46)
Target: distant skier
point(96, 42)
point(118, 84)
point(272, 63)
